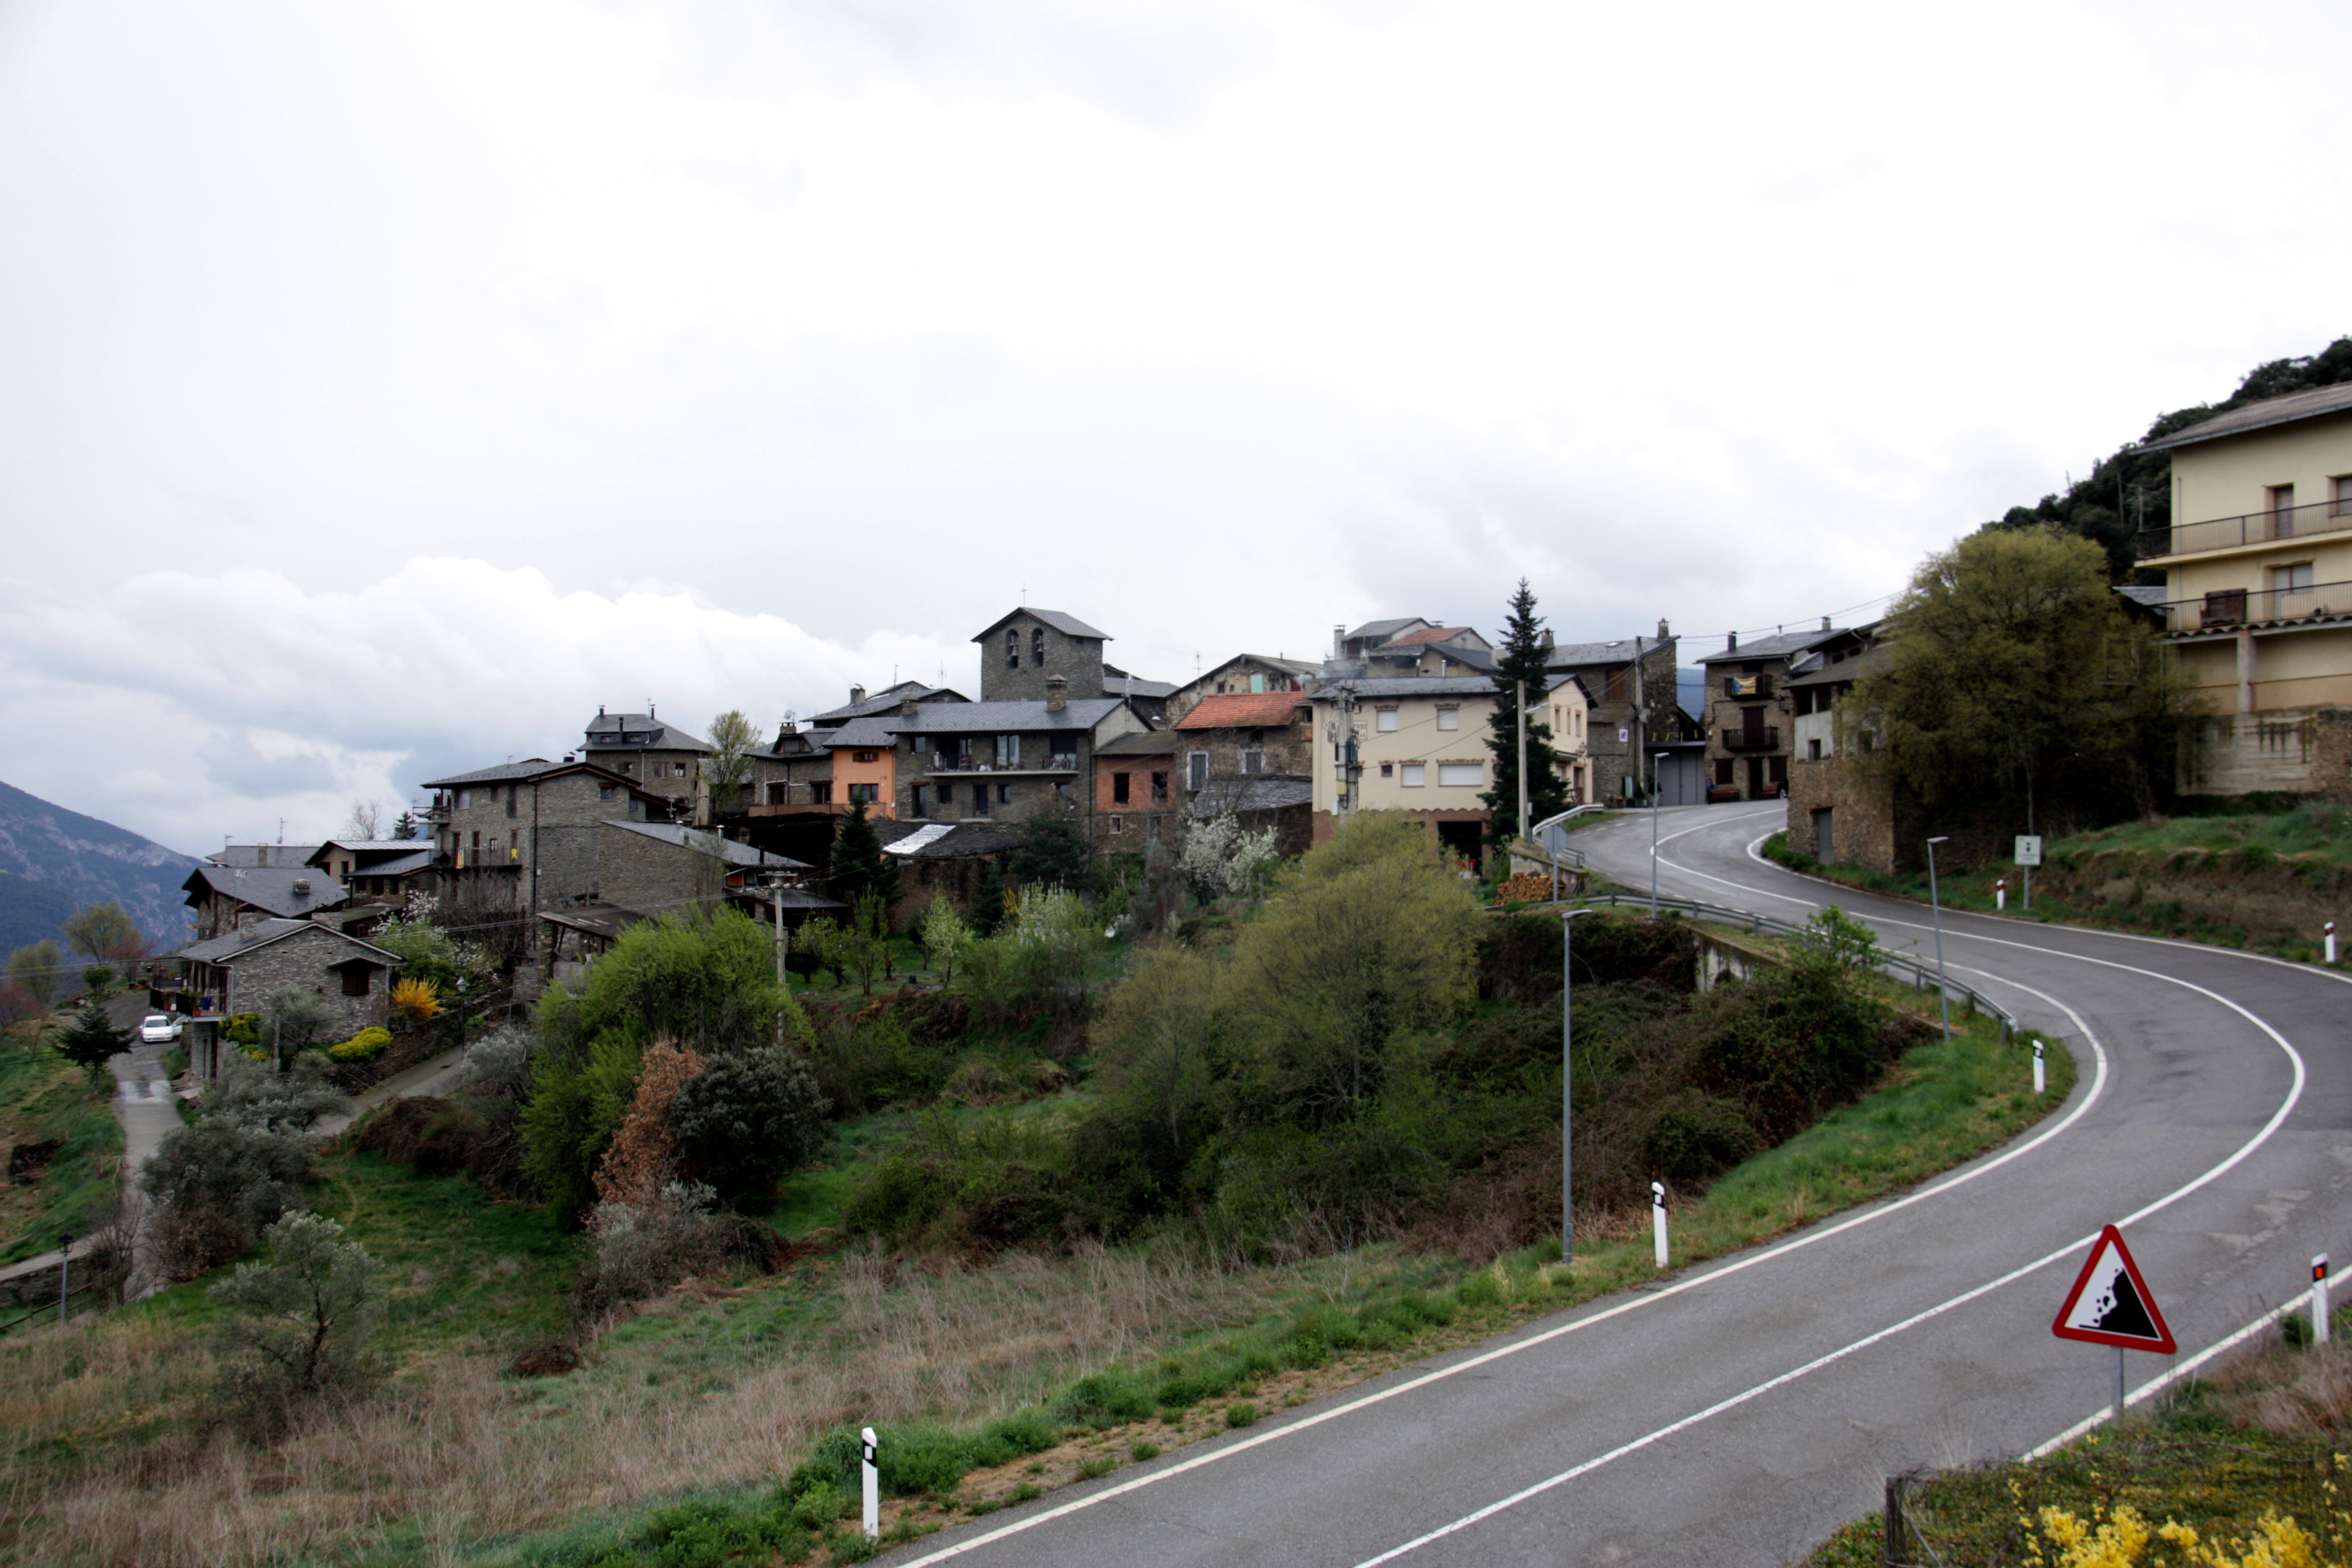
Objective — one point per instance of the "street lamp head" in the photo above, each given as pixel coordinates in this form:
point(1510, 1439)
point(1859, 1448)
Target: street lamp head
point(1944, 838)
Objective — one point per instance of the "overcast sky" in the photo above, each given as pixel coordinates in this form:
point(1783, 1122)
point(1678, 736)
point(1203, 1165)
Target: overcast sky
point(384, 387)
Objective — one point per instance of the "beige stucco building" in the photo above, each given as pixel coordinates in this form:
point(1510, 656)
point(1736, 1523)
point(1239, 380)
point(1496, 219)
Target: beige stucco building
point(1413, 743)
point(2258, 596)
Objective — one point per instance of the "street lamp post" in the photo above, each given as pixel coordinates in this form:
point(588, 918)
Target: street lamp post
point(1935, 903)
point(1567, 1100)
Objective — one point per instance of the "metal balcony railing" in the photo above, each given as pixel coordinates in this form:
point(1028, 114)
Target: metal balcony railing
point(2227, 609)
point(2268, 527)
point(1767, 739)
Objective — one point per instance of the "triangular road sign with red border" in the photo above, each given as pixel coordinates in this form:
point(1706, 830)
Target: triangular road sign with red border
point(2111, 1304)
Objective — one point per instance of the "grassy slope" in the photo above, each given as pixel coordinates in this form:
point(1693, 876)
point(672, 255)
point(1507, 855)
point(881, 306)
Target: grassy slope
point(45, 1097)
point(2259, 882)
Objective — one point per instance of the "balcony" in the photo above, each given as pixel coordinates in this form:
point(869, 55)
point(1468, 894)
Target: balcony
point(2256, 609)
point(2270, 527)
point(1767, 739)
point(944, 765)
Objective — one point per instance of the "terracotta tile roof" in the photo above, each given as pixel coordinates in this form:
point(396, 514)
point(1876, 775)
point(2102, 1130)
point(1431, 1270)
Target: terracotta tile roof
point(1427, 634)
point(1236, 710)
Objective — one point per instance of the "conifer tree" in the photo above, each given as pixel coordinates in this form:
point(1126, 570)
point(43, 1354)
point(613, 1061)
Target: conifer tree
point(1521, 655)
point(857, 865)
point(91, 1039)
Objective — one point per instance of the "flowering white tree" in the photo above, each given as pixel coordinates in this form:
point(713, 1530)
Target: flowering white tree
point(1218, 857)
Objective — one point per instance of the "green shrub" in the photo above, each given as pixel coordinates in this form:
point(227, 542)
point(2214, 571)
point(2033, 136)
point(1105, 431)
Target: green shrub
point(1696, 1135)
point(365, 1045)
point(1240, 1415)
point(748, 1117)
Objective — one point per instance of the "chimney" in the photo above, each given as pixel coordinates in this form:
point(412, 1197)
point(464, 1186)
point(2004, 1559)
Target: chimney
point(302, 886)
point(1057, 693)
point(907, 707)
point(1731, 642)
point(1825, 623)
point(1547, 642)
point(857, 694)
point(1663, 635)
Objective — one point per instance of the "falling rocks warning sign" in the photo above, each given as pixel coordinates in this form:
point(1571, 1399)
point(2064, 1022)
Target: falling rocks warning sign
point(2111, 1304)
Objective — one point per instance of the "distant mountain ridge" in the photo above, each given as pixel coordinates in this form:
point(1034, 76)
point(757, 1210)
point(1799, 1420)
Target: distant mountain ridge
point(64, 854)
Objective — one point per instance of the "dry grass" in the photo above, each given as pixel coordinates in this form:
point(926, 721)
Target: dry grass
point(108, 1459)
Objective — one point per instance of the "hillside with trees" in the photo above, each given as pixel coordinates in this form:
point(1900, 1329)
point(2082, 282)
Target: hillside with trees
point(2130, 489)
point(66, 860)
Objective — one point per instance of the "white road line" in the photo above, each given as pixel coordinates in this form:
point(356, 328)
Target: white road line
point(1689, 1282)
point(2278, 1118)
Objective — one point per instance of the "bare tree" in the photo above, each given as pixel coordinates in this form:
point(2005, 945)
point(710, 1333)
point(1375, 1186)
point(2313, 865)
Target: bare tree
point(366, 820)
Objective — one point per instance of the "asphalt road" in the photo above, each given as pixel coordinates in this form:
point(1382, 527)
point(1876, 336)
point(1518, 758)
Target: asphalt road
point(1739, 1411)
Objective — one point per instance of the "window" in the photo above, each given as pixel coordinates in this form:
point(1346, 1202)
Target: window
point(677, 770)
point(513, 791)
point(779, 793)
point(1196, 771)
point(1037, 647)
point(1386, 721)
point(918, 802)
point(979, 806)
point(1813, 751)
point(1011, 647)
point(1003, 793)
point(1722, 770)
point(867, 756)
point(477, 841)
point(2341, 496)
point(821, 793)
point(2283, 583)
point(1257, 683)
point(609, 792)
point(1253, 762)
point(1008, 750)
point(1062, 790)
point(1388, 770)
point(1159, 789)
point(1118, 823)
point(863, 793)
point(463, 795)
point(1410, 775)
point(1449, 718)
point(1471, 773)
point(947, 793)
point(630, 769)
point(355, 980)
point(1119, 789)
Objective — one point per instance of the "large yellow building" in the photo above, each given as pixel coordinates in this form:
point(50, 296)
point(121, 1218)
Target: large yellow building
point(2258, 571)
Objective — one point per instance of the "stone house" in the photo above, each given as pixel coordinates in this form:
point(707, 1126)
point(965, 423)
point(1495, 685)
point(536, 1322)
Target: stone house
point(229, 898)
point(948, 859)
point(236, 972)
point(1407, 647)
point(375, 870)
point(2257, 603)
point(1239, 735)
point(1630, 691)
point(1748, 714)
point(1245, 672)
point(1409, 743)
point(1567, 708)
point(1022, 649)
point(970, 761)
point(1834, 814)
point(657, 756)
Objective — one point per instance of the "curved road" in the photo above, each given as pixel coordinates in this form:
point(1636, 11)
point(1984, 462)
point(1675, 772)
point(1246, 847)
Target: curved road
point(1740, 1411)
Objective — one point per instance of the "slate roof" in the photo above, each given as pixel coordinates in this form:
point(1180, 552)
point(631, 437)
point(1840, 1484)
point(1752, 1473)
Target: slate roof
point(1862, 663)
point(968, 718)
point(1241, 710)
point(2261, 416)
point(1777, 645)
point(1426, 635)
point(606, 920)
point(1146, 743)
point(1118, 682)
point(228, 949)
point(529, 768)
point(961, 840)
point(1270, 793)
point(862, 732)
point(362, 845)
point(1582, 655)
point(1365, 687)
point(1384, 629)
point(269, 888)
point(417, 859)
point(1068, 625)
point(615, 732)
point(709, 843)
point(888, 701)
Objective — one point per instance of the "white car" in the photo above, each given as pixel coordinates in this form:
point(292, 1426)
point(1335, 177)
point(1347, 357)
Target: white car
point(158, 1028)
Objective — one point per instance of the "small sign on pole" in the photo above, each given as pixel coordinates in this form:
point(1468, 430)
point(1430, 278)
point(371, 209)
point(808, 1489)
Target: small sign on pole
point(2112, 1305)
point(2029, 849)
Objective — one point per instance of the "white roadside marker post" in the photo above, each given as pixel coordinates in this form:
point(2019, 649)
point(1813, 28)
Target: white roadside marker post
point(1658, 1219)
point(873, 1487)
point(2001, 894)
point(2331, 942)
point(2319, 1300)
point(2040, 1073)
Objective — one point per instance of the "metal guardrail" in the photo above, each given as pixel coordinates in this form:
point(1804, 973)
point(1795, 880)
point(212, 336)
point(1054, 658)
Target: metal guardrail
point(47, 1312)
point(1921, 973)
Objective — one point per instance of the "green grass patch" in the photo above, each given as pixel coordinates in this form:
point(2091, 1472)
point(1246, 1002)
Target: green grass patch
point(45, 1098)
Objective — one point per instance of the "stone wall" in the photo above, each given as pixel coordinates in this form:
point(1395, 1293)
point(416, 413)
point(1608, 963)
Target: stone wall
point(654, 877)
point(300, 960)
point(2293, 751)
point(1866, 828)
point(1077, 660)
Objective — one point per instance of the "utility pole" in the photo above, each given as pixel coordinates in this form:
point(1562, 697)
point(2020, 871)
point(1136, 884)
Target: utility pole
point(776, 903)
point(1642, 758)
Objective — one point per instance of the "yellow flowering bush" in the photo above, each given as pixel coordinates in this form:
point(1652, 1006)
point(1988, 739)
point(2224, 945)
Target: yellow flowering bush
point(363, 1046)
point(416, 1001)
point(2116, 1540)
